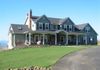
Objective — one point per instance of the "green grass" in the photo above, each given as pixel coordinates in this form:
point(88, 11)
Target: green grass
point(26, 57)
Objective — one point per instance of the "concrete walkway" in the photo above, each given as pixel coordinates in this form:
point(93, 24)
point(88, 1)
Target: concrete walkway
point(88, 59)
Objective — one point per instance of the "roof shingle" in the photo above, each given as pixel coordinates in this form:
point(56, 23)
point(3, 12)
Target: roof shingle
point(19, 28)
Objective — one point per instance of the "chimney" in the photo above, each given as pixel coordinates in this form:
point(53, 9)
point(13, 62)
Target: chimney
point(30, 19)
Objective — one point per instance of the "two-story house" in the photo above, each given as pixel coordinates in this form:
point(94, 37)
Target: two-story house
point(50, 31)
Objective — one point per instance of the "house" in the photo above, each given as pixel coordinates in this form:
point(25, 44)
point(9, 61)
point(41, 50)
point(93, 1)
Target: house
point(51, 31)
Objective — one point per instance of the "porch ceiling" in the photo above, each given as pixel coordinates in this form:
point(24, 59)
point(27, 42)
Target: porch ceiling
point(75, 33)
point(58, 31)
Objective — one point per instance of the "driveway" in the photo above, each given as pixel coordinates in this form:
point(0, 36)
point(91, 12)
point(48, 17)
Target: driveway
point(88, 59)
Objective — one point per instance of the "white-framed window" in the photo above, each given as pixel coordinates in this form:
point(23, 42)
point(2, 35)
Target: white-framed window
point(87, 29)
point(60, 26)
point(40, 26)
point(70, 27)
point(46, 26)
point(65, 27)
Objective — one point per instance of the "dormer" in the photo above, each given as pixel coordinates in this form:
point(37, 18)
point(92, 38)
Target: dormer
point(43, 23)
point(68, 25)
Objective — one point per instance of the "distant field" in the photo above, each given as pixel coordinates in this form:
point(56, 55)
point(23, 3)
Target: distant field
point(26, 57)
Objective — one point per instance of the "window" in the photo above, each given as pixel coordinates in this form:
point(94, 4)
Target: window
point(87, 29)
point(54, 27)
point(65, 27)
point(46, 26)
point(70, 27)
point(58, 27)
point(40, 26)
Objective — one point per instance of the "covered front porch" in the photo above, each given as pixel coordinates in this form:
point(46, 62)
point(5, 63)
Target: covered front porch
point(59, 37)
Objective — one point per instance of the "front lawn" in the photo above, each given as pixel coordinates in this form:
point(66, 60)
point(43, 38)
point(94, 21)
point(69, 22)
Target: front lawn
point(25, 57)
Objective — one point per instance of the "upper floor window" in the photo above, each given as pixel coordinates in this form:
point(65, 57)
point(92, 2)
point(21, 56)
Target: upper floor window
point(87, 29)
point(58, 27)
point(65, 27)
point(46, 26)
point(70, 27)
point(40, 26)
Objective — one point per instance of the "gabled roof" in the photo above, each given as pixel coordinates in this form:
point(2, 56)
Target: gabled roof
point(55, 21)
point(81, 26)
point(40, 18)
point(19, 28)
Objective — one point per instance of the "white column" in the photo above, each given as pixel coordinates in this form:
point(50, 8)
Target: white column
point(25, 37)
point(43, 39)
point(76, 39)
point(14, 41)
point(55, 39)
point(86, 39)
point(66, 39)
point(29, 38)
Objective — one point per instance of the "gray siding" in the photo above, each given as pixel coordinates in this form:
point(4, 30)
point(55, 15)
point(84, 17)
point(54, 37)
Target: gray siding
point(91, 35)
point(43, 20)
point(19, 39)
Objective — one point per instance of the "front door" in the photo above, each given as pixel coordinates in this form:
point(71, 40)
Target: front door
point(61, 39)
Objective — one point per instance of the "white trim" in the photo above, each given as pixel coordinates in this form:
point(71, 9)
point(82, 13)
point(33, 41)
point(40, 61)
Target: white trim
point(67, 39)
point(29, 38)
point(10, 42)
point(55, 39)
point(76, 39)
point(14, 40)
point(43, 39)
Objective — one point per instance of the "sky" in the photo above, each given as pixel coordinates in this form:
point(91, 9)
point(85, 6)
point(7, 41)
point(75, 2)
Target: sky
point(79, 11)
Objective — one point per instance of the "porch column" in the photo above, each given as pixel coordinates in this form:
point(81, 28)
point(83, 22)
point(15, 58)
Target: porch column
point(55, 39)
point(43, 39)
point(86, 39)
point(29, 38)
point(14, 41)
point(25, 37)
point(76, 39)
point(66, 39)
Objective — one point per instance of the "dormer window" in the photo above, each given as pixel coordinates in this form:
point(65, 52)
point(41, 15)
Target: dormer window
point(65, 27)
point(19, 28)
point(40, 26)
point(70, 27)
point(58, 27)
point(87, 29)
point(46, 26)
